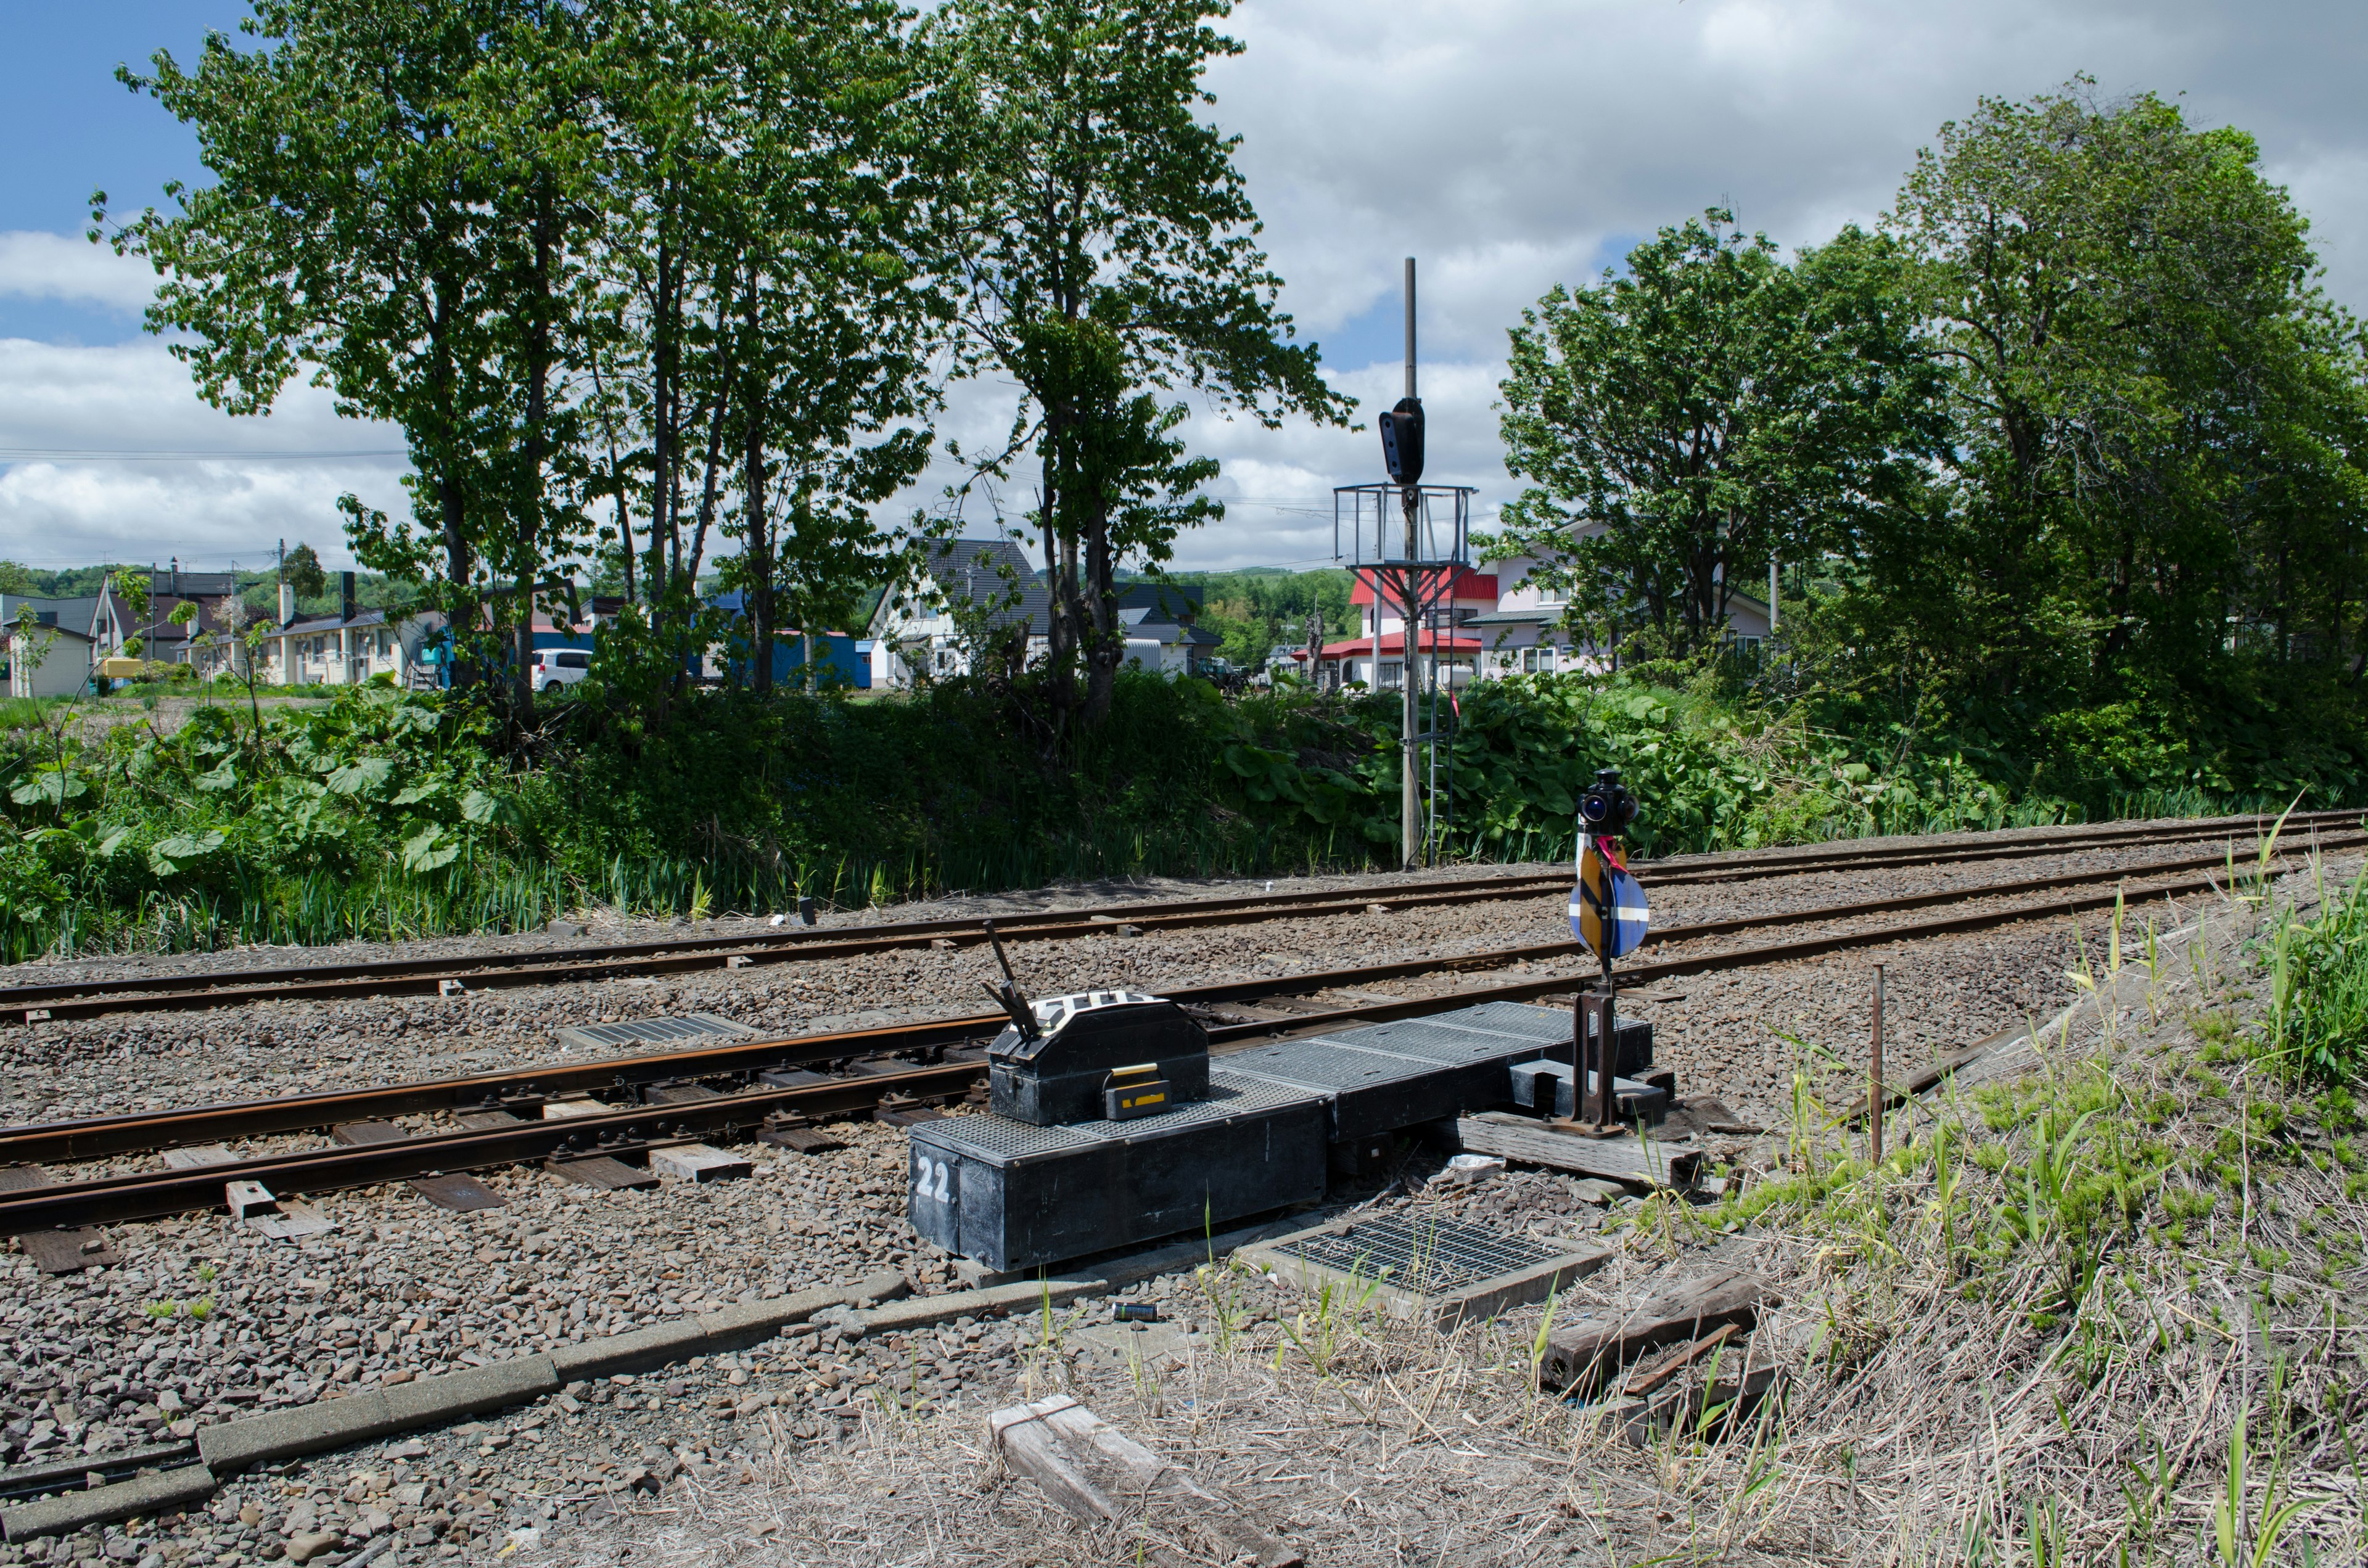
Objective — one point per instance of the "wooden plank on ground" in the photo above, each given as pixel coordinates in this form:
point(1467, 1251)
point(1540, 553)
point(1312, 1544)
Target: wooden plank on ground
point(1584, 1352)
point(25, 1178)
point(698, 1162)
point(1641, 1162)
point(485, 1121)
point(198, 1156)
point(1100, 1474)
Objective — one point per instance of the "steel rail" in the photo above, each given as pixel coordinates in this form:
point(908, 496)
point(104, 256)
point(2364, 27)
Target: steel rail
point(94, 1138)
point(387, 978)
point(144, 1195)
point(147, 1195)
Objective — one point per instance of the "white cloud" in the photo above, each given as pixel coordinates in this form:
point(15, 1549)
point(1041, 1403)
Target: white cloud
point(70, 270)
point(253, 482)
point(1509, 145)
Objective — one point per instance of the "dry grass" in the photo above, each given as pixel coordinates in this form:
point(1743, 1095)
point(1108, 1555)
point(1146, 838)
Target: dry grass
point(2096, 1308)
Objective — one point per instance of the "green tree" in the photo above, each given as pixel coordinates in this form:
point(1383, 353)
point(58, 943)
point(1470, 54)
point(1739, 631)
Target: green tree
point(762, 331)
point(835, 323)
point(1709, 410)
point(302, 570)
point(392, 207)
point(2155, 472)
point(1104, 241)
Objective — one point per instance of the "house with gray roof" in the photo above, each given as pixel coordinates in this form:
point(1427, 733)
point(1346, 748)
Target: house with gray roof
point(977, 590)
point(972, 592)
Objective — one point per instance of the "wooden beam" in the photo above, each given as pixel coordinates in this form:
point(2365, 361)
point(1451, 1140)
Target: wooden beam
point(1100, 1474)
point(1581, 1355)
point(1640, 1161)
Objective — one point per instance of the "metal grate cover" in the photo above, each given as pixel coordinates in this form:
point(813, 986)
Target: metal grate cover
point(687, 1030)
point(1001, 1135)
point(1228, 1096)
point(1514, 1017)
point(1323, 1063)
point(1438, 1041)
point(1419, 1253)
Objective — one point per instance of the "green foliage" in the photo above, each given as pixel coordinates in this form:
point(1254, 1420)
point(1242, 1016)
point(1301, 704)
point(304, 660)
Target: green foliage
point(1708, 410)
point(2318, 989)
point(385, 814)
point(1108, 258)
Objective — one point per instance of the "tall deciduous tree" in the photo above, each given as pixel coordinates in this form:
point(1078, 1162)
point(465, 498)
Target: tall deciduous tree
point(764, 329)
point(1107, 248)
point(2157, 415)
point(393, 208)
point(1709, 410)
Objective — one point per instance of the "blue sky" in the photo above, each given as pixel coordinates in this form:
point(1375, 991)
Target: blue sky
point(1510, 144)
point(74, 129)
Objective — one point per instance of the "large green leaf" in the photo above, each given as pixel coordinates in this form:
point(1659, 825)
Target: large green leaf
point(432, 849)
point(169, 857)
point(365, 777)
point(50, 788)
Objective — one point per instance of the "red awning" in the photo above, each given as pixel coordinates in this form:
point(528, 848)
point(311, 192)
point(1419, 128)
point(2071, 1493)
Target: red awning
point(1469, 587)
point(1394, 643)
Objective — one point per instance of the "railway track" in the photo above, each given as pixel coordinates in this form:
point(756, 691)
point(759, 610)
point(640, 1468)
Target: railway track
point(930, 1060)
point(59, 1000)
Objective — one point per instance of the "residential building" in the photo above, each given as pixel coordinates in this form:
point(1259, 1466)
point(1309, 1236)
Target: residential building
point(347, 646)
point(1526, 632)
point(1376, 656)
point(1162, 633)
point(46, 660)
point(974, 589)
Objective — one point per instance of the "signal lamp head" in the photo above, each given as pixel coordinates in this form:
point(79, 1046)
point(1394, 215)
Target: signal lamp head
point(1607, 806)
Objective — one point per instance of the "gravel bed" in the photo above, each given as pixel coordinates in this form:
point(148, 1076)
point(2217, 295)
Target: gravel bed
point(205, 1321)
point(133, 1062)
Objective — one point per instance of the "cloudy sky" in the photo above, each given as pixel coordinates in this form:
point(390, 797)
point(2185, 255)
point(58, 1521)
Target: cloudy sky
point(1509, 145)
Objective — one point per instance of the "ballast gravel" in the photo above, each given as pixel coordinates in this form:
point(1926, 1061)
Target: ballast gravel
point(205, 1321)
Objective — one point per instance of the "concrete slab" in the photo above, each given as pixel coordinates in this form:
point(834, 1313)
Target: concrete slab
point(699, 1162)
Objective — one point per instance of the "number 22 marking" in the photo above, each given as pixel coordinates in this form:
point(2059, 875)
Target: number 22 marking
point(930, 1177)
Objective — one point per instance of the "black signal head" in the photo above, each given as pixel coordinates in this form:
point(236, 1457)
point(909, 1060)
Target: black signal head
point(1402, 441)
point(1606, 806)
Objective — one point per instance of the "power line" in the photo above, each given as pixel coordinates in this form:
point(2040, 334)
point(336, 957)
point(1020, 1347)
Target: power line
point(15, 454)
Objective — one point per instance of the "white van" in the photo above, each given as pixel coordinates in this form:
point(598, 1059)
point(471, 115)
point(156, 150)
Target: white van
point(555, 667)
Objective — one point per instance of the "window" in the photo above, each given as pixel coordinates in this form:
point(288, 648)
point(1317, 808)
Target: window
point(1393, 673)
point(1539, 660)
point(574, 661)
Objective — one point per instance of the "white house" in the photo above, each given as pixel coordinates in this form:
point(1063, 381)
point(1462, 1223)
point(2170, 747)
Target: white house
point(68, 655)
point(48, 660)
point(345, 647)
point(1161, 631)
point(1524, 633)
point(985, 583)
point(989, 584)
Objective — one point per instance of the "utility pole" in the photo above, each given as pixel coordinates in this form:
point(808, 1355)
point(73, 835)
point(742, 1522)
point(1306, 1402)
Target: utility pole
point(1416, 538)
point(1409, 797)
